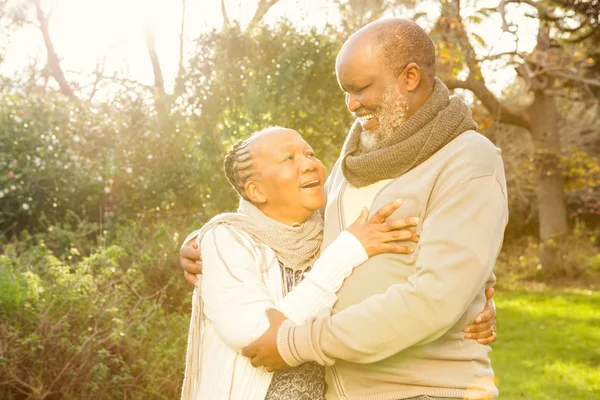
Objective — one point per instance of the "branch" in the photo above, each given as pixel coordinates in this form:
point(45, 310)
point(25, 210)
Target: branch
point(53, 61)
point(263, 7)
point(493, 57)
point(475, 82)
point(179, 82)
point(159, 82)
point(128, 81)
point(498, 111)
point(568, 96)
point(575, 78)
point(542, 9)
point(226, 22)
point(506, 27)
point(99, 72)
point(582, 37)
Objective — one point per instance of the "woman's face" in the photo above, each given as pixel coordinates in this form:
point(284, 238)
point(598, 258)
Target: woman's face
point(289, 178)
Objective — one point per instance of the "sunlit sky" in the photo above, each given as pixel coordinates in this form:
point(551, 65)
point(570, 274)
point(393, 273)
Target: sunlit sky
point(85, 32)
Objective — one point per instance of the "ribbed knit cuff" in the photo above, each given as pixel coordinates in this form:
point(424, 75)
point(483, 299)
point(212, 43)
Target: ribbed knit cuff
point(293, 343)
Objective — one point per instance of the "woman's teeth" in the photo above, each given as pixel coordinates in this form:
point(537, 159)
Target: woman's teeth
point(310, 184)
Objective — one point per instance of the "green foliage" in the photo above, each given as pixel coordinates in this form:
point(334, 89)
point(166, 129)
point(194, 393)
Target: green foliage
point(126, 158)
point(242, 83)
point(40, 174)
point(88, 329)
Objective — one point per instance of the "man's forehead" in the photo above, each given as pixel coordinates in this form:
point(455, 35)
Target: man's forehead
point(364, 46)
point(360, 64)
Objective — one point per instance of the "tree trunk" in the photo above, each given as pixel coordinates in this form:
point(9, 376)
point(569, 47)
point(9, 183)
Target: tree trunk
point(159, 82)
point(551, 186)
point(53, 61)
point(179, 80)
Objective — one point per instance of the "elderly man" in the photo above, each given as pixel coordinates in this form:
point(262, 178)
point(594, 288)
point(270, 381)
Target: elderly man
point(396, 331)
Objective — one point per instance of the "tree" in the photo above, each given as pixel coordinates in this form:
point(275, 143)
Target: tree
point(550, 70)
point(563, 64)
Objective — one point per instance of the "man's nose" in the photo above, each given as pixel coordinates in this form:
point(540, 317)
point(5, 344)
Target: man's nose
point(352, 102)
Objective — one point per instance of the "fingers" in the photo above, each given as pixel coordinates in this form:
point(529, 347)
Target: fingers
point(190, 266)
point(480, 335)
point(257, 361)
point(256, 358)
point(191, 278)
point(363, 217)
point(399, 236)
point(393, 247)
point(489, 293)
point(400, 224)
point(385, 211)
point(486, 315)
point(190, 253)
point(484, 321)
point(488, 340)
point(482, 327)
point(250, 351)
point(275, 317)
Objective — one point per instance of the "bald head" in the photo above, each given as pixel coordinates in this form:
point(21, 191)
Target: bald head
point(395, 42)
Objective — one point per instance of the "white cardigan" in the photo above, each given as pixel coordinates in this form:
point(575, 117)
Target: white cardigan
point(234, 309)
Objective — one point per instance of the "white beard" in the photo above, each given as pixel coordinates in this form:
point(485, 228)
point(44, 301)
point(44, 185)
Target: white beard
point(391, 116)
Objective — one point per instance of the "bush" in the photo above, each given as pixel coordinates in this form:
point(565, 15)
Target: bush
point(87, 329)
point(578, 252)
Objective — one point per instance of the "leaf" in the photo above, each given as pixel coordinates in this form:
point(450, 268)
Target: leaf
point(479, 39)
point(475, 19)
point(419, 15)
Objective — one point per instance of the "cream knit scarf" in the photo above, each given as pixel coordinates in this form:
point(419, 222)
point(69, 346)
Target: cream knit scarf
point(296, 247)
point(434, 125)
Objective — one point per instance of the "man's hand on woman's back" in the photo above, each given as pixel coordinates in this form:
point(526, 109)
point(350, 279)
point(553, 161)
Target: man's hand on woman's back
point(191, 261)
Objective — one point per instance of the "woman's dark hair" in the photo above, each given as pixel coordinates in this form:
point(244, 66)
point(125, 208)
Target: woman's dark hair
point(239, 163)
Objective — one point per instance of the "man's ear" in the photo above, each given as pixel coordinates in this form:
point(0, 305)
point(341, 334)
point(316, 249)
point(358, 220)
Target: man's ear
point(255, 192)
point(411, 77)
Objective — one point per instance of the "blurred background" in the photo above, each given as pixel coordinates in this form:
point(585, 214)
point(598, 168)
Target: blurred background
point(115, 116)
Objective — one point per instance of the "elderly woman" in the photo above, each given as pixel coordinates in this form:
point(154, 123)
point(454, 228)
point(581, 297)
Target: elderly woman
point(266, 255)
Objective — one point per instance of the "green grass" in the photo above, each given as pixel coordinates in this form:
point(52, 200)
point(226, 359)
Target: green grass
point(548, 345)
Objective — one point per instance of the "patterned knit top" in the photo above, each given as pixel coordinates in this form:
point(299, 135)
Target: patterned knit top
point(306, 381)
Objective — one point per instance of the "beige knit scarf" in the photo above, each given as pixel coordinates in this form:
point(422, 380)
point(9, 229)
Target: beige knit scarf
point(296, 247)
point(434, 125)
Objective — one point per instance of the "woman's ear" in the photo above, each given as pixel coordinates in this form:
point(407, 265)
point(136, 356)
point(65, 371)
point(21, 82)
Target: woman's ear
point(255, 192)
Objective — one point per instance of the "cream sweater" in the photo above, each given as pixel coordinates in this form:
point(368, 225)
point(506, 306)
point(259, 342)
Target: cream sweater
point(234, 307)
point(397, 329)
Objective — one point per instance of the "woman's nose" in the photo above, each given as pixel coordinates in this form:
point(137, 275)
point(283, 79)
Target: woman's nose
point(308, 164)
